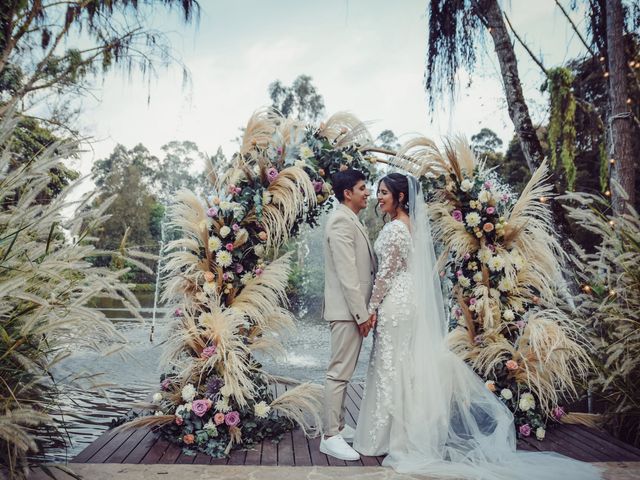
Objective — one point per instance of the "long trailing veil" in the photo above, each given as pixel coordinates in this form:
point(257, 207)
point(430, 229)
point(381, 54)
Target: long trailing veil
point(449, 423)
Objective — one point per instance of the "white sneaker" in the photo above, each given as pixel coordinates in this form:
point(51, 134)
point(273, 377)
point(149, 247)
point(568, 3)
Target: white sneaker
point(337, 447)
point(348, 432)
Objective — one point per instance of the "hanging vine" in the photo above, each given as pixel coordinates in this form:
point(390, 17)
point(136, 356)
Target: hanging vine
point(562, 122)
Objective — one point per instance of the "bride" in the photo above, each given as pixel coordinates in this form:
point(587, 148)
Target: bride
point(423, 406)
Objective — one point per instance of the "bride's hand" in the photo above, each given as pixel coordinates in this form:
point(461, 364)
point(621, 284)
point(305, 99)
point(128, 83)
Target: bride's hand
point(373, 319)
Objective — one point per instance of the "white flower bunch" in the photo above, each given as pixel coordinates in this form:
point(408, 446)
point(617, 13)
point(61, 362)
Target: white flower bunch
point(472, 219)
point(527, 402)
point(225, 231)
point(508, 315)
point(214, 244)
point(496, 263)
point(224, 258)
point(466, 185)
point(506, 393)
point(261, 409)
point(188, 392)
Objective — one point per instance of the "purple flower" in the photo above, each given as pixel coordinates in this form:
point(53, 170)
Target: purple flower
point(558, 412)
point(504, 197)
point(488, 185)
point(209, 351)
point(472, 301)
point(457, 215)
point(200, 407)
point(178, 312)
point(229, 247)
point(467, 256)
point(239, 268)
point(235, 227)
point(258, 271)
point(520, 324)
point(491, 247)
point(165, 384)
point(279, 150)
point(317, 186)
point(459, 273)
point(232, 418)
point(491, 210)
point(478, 339)
point(213, 386)
point(272, 174)
point(212, 212)
point(525, 430)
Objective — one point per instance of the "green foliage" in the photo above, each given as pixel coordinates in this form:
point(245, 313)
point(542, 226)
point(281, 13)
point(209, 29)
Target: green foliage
point(301, 100)
point(609, 306)
point(47, 287)
point(562, 127)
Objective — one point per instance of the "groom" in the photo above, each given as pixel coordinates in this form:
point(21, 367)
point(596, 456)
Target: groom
point(349, 272)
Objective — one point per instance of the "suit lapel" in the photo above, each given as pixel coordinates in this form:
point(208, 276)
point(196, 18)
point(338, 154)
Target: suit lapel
point(354, 219)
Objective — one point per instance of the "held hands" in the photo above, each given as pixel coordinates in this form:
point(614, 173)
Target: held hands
point(370, 324)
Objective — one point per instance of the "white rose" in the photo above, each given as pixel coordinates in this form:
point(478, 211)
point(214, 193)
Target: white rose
point(485, 196)
point(157, 397)
point(506, 394)
point(188, 392)
point(466, 185)
point(540, 433)
point(259, 250)
point(508, 315)
point(224, 231)
point(477, 277)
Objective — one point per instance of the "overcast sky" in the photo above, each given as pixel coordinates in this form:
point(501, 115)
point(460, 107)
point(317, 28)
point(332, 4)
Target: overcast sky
point(365, 56)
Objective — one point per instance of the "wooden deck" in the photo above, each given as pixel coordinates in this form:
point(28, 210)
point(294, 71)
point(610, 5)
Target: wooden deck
point(143, 446)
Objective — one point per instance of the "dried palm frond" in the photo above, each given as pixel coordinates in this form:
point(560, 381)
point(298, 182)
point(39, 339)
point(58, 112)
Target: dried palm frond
point(151, 421)
point(343, 129)
point(460, 157)
point(259, 130)
point(291, 193)
point(302, 405)
point(453, 233)
point(420, 156)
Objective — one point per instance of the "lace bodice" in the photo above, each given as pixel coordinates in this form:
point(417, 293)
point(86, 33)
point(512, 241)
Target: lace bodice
point(392, 247)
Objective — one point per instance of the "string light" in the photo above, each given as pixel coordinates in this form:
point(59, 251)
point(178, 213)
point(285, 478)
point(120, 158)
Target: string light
point(490, 29)
point(543, 199)
point(612, 292)
point(628, 101)
point(606, 74)
point(612, 161)
point(602, 59)
point(611, 223)
point(587, 289)
point(607, 193)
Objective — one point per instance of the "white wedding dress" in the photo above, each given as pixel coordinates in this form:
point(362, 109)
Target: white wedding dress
point(423, 406)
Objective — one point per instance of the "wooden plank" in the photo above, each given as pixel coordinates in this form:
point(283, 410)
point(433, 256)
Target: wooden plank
point(201, 459)
point(269, 453)
point(618, 450)
point(156, 452)
point(171, 454)
point(218, 461)
point(254, 455)
point(318, 458)
point(285, 451)
point(185, 459)
point(127, 447)
point(557, 442)
point(94, 447)
point(105, 452)
point(145, 445)
point(237, 457)
point(301, 453)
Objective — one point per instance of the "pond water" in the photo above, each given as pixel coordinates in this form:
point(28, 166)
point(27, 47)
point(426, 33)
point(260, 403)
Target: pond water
point(86, 414)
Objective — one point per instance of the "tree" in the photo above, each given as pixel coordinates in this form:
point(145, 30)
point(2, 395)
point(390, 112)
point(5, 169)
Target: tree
point(176, 170)
point(455, 28)
point(34, 58)
point(621, 118)
point(485, 141)
point(300, 100)
point(387, 140)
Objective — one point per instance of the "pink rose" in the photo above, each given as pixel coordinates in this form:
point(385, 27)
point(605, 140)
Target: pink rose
point(239, 268)
point(258, 271)
point(525, 430)
point(459, 273)
point(235, 227)
point(200, 407)
point(512, 365)
point(488, 185)
point(472, 301)
point(179, 420)
point(209, 351)
point(558, 412)
point(218, 418)
point(232, 418)
point(212, 212)
point(188, 439)
point(504, 197)
point(457, 215)
point(229, 247)
point(491, 210)
point(272, 174)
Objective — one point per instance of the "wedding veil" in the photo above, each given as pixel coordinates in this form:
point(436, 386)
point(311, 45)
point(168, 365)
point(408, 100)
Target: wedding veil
point(449, 423)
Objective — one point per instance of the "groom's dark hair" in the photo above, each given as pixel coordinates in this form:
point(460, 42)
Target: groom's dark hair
point(346, 180)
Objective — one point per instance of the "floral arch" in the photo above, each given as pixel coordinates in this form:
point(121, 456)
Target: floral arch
point(226, 280)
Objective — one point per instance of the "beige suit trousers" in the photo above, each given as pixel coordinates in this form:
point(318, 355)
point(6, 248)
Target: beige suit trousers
point(346, 342)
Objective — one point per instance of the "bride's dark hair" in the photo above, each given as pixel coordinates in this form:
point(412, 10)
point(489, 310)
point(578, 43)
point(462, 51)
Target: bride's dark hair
point(397, 183)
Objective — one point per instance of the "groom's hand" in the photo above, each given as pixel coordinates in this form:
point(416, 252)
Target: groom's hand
point(373, 319)
point(365, 327)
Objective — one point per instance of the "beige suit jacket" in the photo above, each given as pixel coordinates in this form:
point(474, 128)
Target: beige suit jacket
point(350, 265)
